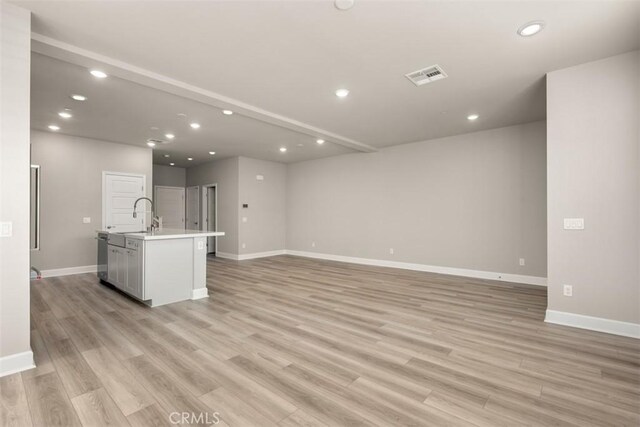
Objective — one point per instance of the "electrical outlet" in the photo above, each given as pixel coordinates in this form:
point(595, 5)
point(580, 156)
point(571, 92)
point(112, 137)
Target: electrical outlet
point(86, 220)
point(200, 245)
point(313, 244)
point(6, 229)
point(574, 224)
point(567, 290)
point(244, 246)
point(391, 251)
point(521, 261)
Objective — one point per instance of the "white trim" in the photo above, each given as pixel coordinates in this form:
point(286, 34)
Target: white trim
point(15, 363)
point(226, 255)
point(199, 293)
point(261, 254)
point(254, 255)
point(478, 274)
point(598, 324)
point(69, 271)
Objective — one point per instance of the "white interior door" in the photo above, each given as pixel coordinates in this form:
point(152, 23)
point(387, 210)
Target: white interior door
point(169, 203)
point(193, 208)
point(119, 193)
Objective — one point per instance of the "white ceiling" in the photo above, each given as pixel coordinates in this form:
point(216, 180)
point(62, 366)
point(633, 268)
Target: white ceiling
point(121, 111)
point(288, 57)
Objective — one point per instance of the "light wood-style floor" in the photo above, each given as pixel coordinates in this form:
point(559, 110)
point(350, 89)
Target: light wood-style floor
point(291, 341)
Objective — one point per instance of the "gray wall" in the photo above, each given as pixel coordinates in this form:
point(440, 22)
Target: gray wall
point(15, 57)
point(225, 174)
point(265, 228)
point(170, 176)
point(71, 170)
point(593, 173)
point(474, 201)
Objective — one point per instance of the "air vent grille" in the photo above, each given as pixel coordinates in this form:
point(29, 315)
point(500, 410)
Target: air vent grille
point(426, 75)
point(157, 141)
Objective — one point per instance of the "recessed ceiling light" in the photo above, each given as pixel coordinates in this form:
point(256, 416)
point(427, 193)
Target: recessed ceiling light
point(54, 127)
point(531, 28)
point(172, 164)
point(151, 144)
point(472, 117)
point(78, 97)
point(341, 93)
point(212, 152)
point(189, 158)
point(169, 135)
point(195, 125)
point(343, 4)
point(98, 74)
point(65, 114)
point(320, 141)
point(167, 156)
point(227, 112)
point(283, 149)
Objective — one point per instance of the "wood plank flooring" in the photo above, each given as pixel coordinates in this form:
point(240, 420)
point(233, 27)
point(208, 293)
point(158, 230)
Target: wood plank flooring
point(288, 341)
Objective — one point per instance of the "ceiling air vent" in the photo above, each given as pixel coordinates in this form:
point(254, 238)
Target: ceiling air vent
point(426, 75)
point(157, 141)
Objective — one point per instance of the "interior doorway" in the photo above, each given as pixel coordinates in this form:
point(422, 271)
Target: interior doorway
point(210, 214)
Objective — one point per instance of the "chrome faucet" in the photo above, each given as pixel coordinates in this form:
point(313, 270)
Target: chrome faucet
point(155, 221)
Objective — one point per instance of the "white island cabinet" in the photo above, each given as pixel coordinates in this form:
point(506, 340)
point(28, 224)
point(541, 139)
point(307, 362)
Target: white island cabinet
point(159, 267)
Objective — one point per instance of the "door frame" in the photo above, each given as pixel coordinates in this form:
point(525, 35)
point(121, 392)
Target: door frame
point(205, 209)
point(186, 205)
point(104, 194)
point(184, 202)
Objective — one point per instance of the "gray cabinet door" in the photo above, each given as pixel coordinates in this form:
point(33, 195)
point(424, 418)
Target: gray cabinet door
point(112, 265)
point(134, 282)
point(121, 262)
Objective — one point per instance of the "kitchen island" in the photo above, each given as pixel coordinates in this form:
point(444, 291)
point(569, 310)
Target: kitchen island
point(157, 267)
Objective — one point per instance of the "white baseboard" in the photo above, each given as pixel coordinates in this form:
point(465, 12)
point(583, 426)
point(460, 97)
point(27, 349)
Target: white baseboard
point(199, 293)
point(16, 363)
point(261, 254)
point(226, 255)
point(598, 324)
point(250, 256)
point(477, 274)
point(69, 270)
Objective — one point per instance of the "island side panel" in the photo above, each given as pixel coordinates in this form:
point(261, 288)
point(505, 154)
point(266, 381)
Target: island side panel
point(199, 268)
point(168, 271)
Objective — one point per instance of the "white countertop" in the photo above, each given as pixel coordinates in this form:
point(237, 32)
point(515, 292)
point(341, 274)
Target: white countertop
point(170, 233)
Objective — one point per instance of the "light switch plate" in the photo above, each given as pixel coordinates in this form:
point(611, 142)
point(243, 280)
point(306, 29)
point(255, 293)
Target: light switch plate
point(86, 220)
point(6, 229)
point(244, 219)
point(574, 223)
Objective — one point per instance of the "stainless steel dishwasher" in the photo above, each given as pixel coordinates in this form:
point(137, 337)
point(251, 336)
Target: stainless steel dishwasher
point(102, 255)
